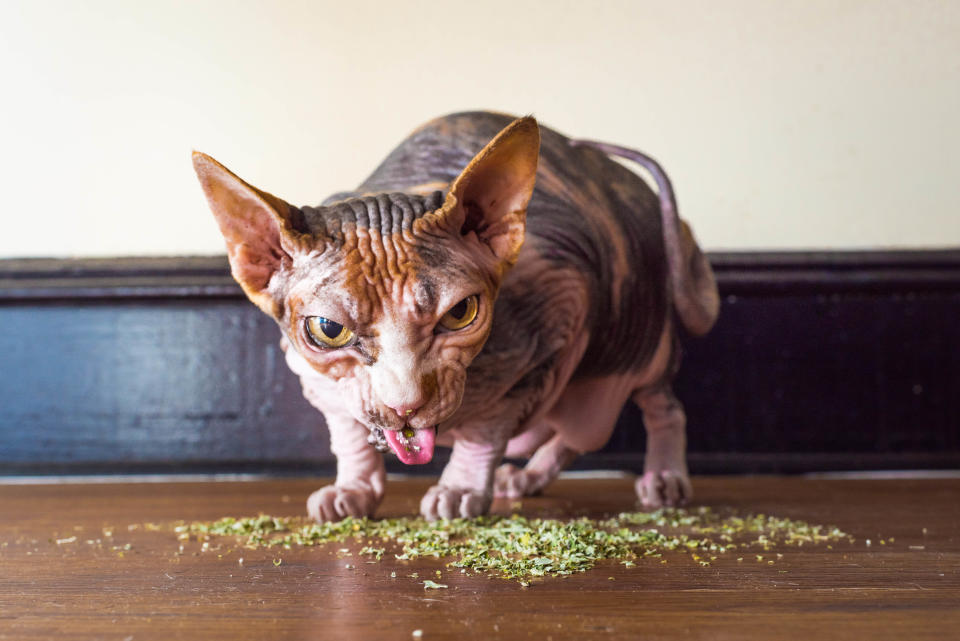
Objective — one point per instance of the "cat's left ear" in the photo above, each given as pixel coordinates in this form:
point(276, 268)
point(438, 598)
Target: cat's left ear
point(262, 232)
point(490, 196)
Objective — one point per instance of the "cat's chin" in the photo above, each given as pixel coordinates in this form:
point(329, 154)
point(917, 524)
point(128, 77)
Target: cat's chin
point(412, 447)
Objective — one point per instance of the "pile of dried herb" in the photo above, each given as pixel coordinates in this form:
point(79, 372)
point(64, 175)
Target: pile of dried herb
point(517, 547)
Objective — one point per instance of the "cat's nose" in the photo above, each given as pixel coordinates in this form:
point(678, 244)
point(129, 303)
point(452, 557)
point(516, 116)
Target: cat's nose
point(405, 410)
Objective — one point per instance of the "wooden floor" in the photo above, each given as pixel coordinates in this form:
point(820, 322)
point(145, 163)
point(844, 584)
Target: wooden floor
point(906, 588)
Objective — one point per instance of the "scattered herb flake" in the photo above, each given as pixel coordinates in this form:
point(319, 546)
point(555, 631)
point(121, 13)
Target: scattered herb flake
point(520, 548)
point(430, 585)
point(377, 552)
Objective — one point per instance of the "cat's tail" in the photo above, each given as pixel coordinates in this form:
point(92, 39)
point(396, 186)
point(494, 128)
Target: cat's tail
point(692, 282)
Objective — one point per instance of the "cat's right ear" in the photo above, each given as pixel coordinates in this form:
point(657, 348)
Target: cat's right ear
point(261, 231)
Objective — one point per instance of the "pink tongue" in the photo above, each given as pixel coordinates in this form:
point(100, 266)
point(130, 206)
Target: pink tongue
point(417, 449)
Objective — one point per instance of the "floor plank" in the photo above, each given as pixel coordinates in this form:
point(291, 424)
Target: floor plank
point(905, 588)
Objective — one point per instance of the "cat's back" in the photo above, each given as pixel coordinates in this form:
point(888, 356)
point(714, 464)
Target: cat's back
point(436, 152)
point(585, 179)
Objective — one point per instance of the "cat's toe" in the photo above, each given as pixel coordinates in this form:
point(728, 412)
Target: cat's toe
point(508, 482)
point(664, 488)
point(441, 502)
point(333, 503)
point(512, 482)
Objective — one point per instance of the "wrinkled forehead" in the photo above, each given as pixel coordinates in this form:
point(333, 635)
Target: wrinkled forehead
point(372, 276)
point(387, 213)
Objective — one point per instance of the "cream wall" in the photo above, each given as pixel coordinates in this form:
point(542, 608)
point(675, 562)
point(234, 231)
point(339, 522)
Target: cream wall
point(789, 124)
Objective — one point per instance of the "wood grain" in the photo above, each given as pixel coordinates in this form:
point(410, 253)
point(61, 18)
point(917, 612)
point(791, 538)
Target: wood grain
point(905, 589)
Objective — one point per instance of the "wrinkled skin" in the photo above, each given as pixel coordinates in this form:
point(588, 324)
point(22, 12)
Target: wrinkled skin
point(572, 316)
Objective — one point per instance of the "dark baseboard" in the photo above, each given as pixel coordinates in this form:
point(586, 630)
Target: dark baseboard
point(750, 273)
point(821, 361)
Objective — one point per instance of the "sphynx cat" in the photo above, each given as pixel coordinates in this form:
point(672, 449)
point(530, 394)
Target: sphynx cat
point(494, 287)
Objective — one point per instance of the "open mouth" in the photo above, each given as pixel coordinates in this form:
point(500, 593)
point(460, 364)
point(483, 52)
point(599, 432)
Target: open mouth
point(412, 447)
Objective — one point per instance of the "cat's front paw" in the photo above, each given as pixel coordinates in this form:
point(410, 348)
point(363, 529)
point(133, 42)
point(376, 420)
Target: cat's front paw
point(512, 482)
point(664, 488)
point(442, 502)
point(332, 503)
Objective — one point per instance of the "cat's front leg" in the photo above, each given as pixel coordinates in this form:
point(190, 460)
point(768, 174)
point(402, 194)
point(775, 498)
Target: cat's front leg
point(361, 476)
point(466, 485)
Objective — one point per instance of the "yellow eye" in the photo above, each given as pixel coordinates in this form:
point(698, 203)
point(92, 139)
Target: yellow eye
point(327, 333)
point(461, 314)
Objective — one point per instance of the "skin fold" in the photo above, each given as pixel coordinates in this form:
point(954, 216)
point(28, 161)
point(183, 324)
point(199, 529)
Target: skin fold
point(493, 287)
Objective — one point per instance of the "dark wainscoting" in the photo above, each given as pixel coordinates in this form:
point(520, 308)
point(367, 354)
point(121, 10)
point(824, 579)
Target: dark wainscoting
point(820, 361)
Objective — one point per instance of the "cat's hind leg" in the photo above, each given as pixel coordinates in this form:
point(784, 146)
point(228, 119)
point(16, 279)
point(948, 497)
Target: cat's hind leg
point(547, 462)
point(665, 480)
point(582, 420)
point(511, 481)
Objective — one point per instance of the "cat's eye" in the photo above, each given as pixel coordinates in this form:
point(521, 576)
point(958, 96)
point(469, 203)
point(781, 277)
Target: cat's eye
point(461, 314)
point(327, 333)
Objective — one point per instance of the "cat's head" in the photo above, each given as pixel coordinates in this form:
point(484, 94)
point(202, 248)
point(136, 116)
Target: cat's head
point(388, 296)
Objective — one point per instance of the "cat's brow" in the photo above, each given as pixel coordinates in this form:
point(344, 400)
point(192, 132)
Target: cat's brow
point(425, 296)
point(327, 282)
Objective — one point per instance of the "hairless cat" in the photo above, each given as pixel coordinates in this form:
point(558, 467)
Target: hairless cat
point(493, 286)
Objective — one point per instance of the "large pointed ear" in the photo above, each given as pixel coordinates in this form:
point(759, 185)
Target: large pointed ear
point(261, 230)
point(490, 196)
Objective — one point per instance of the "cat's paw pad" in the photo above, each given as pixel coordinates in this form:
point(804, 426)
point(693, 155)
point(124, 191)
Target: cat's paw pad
point(512, 482)
point(664, 488)
point(333, 503)
point(441, 502)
